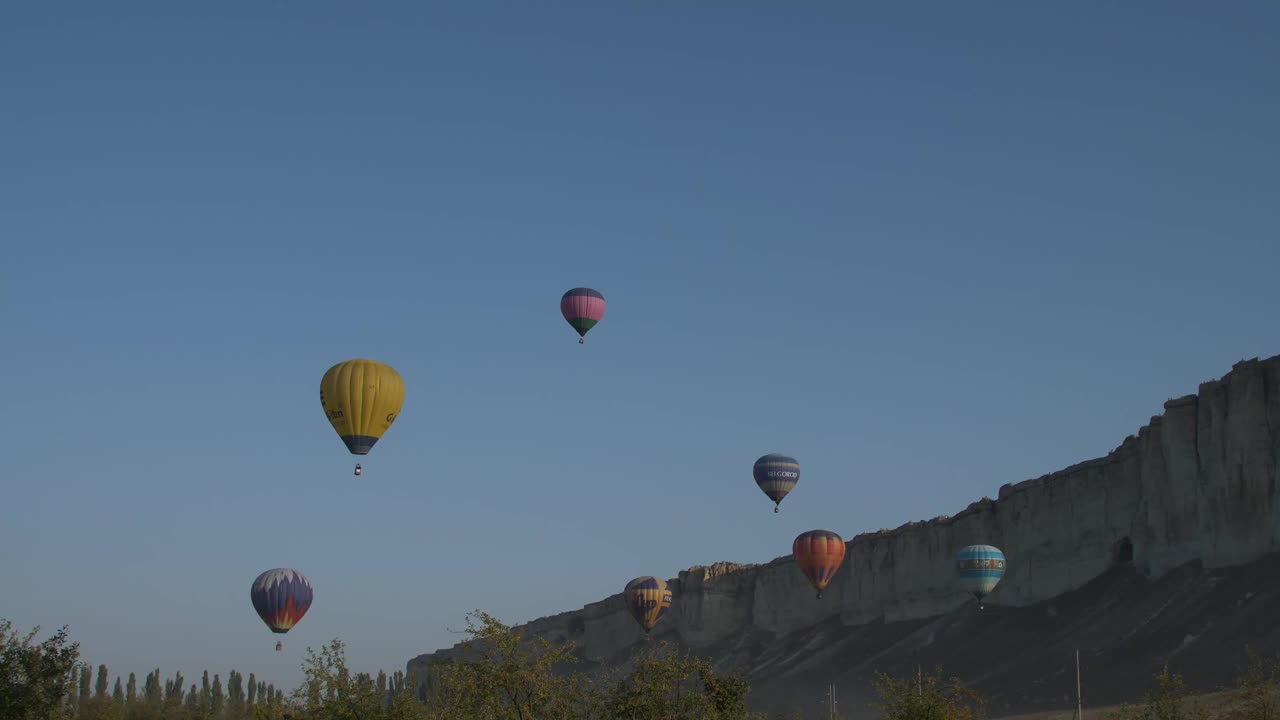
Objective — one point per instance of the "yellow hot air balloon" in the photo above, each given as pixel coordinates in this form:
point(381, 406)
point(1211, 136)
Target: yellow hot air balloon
point(361, 398)
point(648, 599)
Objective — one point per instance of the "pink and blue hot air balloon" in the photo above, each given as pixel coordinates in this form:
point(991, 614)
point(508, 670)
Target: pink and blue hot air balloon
point(281, 596)
point(582, 309)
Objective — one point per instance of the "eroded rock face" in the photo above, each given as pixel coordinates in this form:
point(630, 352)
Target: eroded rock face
point(1196, 483)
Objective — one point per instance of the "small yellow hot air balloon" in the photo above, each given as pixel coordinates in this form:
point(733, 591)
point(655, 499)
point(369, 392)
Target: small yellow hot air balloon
point(361, 398)
point(648, 599)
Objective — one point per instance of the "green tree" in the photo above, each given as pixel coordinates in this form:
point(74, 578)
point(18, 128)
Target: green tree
point(331, 692)
point(71, 701)
point(35, 678)
point(726, 695)
point(151, 689)
point(149, 705)
point(1168, 700)
point(1258, 690)
point(504, 677)
point(397, 682)
point(175, 693)
point(665, 683)
point(206, 694)
point(269, 706)
point(927, 696)
point(100, 687)
point(235, 695)
point(101, 706)
point(253, 690)
point(117, 695)
point(86, 682)
point(216, 697)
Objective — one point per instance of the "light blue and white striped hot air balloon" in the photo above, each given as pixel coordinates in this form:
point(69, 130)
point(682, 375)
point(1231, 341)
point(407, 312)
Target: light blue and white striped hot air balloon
point(980, 568)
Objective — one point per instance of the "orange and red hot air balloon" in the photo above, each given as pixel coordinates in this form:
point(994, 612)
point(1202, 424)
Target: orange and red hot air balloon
point(818, 554)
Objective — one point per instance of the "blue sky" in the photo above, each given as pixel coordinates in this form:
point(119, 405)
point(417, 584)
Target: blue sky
point(926, 250)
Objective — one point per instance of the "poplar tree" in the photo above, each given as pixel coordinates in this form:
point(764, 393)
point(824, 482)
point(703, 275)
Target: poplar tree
point(216, 697)
point(151, 689)
point(235, 694)
point(73, 687)
point(100, 690)
point(177, 691)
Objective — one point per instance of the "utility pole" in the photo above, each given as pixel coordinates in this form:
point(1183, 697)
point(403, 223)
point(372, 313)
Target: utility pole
point(1079, 702)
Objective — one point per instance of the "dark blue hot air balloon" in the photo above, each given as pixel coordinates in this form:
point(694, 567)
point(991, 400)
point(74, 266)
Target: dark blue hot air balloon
point(777, 475)
point(281, 596)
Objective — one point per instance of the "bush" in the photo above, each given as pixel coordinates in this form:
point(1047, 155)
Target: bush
point(1168, 700)
point(35, 680)
point(1258, 690)
point(331, 692)
point(665, 684)
point(503, 677)
point(497, 675)
point(927, 696)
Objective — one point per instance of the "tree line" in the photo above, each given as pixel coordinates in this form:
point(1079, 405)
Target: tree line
point(90, 699)
point(503, 676)
point(498, 674)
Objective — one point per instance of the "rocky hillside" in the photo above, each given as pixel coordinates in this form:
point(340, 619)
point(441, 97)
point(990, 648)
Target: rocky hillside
point(1136, 557)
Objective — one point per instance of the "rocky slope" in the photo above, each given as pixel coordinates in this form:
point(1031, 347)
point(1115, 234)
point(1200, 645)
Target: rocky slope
point(1155, 526)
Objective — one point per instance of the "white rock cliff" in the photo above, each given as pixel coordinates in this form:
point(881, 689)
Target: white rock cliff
point(1197, 483)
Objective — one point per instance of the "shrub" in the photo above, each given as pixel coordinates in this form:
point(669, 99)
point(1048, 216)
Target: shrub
point(1168, 700)
point(927, 696)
